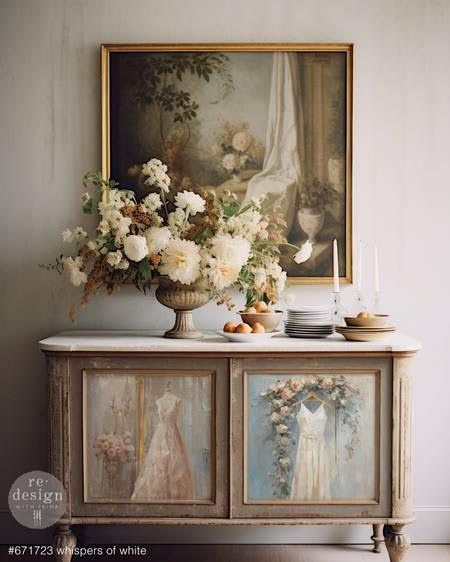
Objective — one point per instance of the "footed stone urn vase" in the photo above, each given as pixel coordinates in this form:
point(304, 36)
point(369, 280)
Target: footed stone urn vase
point(182, 299)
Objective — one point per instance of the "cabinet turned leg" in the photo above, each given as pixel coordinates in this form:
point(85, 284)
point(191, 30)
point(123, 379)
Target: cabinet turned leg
point(397, 543)
point(377, 536)
point(64, 542)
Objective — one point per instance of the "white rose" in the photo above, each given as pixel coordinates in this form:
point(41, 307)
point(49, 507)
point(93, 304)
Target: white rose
point(190, 201)
point(135, 247)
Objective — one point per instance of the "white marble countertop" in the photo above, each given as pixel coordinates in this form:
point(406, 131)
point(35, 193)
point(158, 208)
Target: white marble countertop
point(151, 341)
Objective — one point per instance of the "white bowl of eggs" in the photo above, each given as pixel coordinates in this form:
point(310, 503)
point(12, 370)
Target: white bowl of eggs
point(259, 323)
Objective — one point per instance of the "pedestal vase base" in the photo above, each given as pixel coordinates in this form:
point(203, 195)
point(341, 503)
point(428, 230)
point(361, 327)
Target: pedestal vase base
point(184, 327)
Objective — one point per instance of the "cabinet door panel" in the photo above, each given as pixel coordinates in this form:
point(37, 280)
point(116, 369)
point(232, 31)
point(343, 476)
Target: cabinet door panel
point(314, 438)
point(149, 437)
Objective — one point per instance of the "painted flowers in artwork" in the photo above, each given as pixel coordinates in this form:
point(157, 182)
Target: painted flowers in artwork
point(237, 148)
point(114, 451)
point(282, 399)
point(185, 235)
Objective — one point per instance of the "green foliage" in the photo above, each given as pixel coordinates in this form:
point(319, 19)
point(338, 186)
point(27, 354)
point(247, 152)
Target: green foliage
point(145, 270)
point(88, 207)
point(230, 207)
point(96, 180)
point(57, 265)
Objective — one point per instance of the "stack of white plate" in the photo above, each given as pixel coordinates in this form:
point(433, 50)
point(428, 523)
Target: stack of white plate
point(309, 322)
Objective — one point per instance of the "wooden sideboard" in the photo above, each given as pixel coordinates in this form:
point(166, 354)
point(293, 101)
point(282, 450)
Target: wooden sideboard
point(147, 431)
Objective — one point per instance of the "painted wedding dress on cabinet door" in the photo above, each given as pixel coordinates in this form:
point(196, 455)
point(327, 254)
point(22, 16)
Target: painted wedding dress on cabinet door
point(311, 479)
point(166, 473)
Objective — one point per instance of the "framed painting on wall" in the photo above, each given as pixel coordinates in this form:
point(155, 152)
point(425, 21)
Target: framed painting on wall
point(257, 120)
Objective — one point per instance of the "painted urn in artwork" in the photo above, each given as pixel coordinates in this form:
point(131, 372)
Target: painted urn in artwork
point(182, 299)
point(311, 221)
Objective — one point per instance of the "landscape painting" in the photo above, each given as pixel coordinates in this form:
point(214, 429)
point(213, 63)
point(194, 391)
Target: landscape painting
point(252, 121)
point(311, 438)
point(148, 437)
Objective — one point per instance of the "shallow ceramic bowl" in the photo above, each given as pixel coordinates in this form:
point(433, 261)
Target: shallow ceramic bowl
point(362, 335)
point(270, 320)
point(378, 321)
point(247, 338)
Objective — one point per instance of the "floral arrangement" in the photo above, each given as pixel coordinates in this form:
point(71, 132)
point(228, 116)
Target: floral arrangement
point(281, 399)
point(114, 448)
point(187, 236)
point(237, 148)
point(318, 196)
point(114, 451)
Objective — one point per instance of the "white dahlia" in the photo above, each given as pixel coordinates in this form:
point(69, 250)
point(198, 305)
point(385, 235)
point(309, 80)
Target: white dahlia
point(180, 261)
point(157, 239)
point(190, 201)
point(222, 273)
point(234, 249)
point(135, 247)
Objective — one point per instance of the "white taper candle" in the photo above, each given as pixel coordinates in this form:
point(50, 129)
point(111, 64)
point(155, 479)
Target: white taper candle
point(335, 267)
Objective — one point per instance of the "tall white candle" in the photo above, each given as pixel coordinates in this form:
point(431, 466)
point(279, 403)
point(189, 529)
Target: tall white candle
point(376, 271)
point(335, 267)
point(359, 269)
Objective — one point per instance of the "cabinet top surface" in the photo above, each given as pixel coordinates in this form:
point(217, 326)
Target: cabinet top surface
point(152, 341)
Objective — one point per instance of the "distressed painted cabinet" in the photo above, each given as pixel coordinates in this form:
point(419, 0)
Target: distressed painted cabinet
point(145, 430)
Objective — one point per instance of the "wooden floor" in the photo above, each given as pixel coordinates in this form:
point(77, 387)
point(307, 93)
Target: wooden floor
point(259, 553)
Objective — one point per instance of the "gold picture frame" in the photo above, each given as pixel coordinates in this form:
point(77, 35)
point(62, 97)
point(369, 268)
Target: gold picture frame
point(346, 245)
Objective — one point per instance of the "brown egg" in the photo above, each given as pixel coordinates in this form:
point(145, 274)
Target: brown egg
point(258, 328)
point(270, 309)
point(260, 306)
point(370, 315)
point(363, 314)
point(250, 310)
point(230, 327)
point(244, 329)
